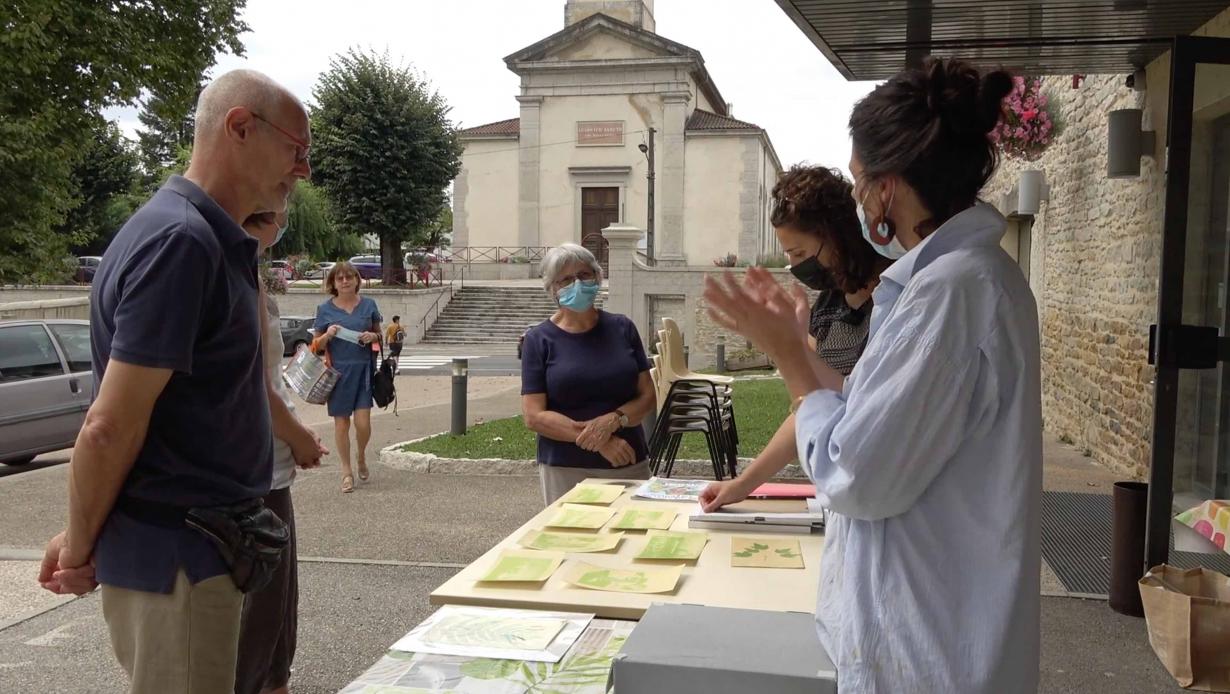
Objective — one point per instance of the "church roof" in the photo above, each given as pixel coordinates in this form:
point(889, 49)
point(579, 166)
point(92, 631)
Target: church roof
point(504, 128)
point(537, 54)
point(704, 120)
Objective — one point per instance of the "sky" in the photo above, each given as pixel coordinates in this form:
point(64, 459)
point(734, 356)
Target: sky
point(761, 62)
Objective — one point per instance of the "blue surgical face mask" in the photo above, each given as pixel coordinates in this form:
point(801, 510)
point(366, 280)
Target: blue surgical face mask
point(578, 296)
point(281, 233)
point(892, 249)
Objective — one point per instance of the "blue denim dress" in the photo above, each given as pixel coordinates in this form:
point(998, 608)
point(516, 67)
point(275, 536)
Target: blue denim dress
point(355, 363)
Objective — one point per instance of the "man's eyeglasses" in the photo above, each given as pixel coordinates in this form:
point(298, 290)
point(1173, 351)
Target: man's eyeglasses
point(302, 149)
point(585, 276)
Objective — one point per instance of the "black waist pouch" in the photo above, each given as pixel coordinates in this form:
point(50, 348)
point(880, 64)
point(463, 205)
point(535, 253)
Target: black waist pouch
point(251, 539)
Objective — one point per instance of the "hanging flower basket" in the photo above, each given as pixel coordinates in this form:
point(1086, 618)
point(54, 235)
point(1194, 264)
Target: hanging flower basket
point(1028, 127)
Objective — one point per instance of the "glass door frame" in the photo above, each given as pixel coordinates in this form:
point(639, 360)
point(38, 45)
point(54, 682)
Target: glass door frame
point(1173, 346)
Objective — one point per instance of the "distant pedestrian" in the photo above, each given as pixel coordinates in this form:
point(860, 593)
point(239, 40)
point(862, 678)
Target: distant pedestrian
point(585, 384)
point(269, 628)
point(179, 431)
point(395, 337)
point(347, 326)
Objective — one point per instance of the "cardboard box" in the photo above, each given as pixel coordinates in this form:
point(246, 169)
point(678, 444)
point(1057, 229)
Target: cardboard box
point(685, 649)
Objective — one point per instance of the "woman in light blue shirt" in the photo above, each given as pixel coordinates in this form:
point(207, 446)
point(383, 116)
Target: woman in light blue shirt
point(929, 455)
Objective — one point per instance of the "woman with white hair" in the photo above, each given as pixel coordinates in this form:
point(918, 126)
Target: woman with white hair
point(585, 383)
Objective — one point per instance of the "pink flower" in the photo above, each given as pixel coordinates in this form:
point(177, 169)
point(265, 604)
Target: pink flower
point(1029, 115)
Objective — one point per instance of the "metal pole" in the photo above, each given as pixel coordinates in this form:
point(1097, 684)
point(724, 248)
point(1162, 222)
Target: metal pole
point(649, 226)
point(721, 354)
point(461, 369)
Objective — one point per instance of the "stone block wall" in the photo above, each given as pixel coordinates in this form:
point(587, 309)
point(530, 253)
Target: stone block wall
point(1100, 241)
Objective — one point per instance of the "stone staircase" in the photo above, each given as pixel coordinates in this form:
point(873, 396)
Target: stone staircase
point(492, 315)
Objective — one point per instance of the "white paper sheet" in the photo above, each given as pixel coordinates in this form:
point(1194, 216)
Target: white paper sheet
point(417, 640)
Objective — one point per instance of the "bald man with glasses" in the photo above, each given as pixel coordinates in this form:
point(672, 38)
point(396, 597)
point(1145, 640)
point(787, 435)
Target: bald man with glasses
point(181, 418)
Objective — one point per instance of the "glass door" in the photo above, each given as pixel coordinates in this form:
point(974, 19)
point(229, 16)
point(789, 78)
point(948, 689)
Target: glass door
point(1189, 345)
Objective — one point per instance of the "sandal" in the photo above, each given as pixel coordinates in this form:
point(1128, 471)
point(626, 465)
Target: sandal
point(347, 484)
point(363, 474)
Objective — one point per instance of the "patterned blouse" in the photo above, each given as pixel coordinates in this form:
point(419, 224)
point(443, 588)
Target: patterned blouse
point(840, 331)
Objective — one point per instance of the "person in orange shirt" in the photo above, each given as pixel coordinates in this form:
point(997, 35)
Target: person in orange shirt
point(394, 336)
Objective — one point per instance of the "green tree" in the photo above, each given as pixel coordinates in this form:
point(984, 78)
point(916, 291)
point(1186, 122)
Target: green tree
point(384, 150)
point(63, 62)
point(166, 128)
point(310, 230)
point(105, 181)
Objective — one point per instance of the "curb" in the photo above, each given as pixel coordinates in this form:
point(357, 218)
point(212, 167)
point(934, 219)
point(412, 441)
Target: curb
point(428, 463)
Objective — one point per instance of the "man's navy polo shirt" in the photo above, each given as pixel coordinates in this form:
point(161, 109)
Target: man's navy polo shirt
point(177, 289)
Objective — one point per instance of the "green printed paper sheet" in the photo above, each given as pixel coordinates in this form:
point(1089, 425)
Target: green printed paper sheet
point(593, 493)
point(765, 553)
point(638, 580)
point(684, 546)
point(570, 542)
point(523, 565)
point(581, 516)
point(637, 518)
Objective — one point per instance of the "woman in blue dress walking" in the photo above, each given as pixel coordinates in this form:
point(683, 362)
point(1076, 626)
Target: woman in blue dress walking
point(346, 327)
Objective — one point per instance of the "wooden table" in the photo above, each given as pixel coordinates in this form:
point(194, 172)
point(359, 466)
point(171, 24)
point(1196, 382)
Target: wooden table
point(710, 580)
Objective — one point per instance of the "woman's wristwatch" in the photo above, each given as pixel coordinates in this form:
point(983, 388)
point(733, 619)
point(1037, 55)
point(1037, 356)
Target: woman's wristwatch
point(623, 418)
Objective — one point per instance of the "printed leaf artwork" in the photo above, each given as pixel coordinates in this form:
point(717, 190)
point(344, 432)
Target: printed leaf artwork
point(640, 580)
point(765, 553)
point(644, 519)
point(684, 546)
point(570, 542)
point(581, 516)
point(495, 632)
point(666, 489)
point(593, 494)
point(518, 565)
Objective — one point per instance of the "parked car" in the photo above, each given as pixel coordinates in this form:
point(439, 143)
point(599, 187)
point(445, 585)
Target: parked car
point(367, 265)
point(318, 271)
point(45, 386)
point(296, 331)
point(87, 265)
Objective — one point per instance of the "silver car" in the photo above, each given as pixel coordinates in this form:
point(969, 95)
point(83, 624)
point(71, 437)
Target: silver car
point(45, 386)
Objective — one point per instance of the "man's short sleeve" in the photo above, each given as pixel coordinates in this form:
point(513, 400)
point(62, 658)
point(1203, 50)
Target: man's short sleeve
point(533, 364)
point(161, 303)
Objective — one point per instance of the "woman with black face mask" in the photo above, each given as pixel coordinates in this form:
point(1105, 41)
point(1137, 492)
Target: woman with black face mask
point(815, 221)
point(817, 225)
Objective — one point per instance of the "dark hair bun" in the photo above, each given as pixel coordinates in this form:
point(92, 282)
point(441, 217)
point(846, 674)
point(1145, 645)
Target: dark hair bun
point(964, 101)
point(931, 126)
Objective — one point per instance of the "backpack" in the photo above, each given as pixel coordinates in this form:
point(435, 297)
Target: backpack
point(383, 390)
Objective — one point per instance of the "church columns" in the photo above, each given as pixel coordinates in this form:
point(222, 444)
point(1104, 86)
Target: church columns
point(670, 232)
point(528, 171)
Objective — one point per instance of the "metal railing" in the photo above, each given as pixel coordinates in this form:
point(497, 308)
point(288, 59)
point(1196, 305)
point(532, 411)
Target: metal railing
point(435, 306)
point(497, 254)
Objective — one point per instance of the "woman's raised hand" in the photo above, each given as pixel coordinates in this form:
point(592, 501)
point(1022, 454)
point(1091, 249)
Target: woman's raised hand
point(761, 310)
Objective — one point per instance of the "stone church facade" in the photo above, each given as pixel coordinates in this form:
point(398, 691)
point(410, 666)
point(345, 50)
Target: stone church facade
point(570, 164)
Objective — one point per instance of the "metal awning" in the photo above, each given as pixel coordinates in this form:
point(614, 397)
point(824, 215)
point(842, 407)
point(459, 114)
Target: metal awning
point(873, 39)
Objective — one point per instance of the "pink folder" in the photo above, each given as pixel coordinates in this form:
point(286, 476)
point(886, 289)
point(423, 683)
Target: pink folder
point(778, 490)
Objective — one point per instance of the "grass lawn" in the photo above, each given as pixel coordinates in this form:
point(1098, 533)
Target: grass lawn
point(760, 407)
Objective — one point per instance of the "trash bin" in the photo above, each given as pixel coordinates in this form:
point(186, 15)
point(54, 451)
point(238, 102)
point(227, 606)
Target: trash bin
point(1127, 549)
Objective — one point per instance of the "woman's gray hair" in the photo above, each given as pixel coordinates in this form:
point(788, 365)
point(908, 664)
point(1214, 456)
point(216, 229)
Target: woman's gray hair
point(560, 257)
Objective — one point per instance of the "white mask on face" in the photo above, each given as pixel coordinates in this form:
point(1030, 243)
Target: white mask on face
point(890, 247)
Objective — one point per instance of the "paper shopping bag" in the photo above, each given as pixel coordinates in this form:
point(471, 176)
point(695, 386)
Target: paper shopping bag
point(1188, 617)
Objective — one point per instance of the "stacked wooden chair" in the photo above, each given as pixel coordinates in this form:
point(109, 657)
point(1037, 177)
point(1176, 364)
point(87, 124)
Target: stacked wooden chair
point(690, 402)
